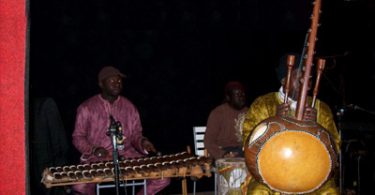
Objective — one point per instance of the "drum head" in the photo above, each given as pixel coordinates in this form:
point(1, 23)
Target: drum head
point(294, 162)
point(231, 173)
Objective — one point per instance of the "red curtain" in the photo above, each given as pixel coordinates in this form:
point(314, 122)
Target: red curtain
point(13, 25)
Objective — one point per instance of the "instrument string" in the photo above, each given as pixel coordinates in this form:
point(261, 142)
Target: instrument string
point(304, 55)
point(301, 60)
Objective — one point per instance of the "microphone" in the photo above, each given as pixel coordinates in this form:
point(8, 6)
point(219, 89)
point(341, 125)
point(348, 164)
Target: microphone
point(120, 136)
point(115, 129)
point(352, 106)
point(348, 107)
point(356, 107)
point(112, 126)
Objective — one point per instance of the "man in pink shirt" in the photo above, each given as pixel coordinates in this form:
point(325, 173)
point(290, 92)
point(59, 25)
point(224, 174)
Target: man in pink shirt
point(92, 123)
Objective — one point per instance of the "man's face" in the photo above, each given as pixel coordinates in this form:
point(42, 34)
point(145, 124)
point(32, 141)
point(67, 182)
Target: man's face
point(111, 86)
point(237, 98)
point(296, 80)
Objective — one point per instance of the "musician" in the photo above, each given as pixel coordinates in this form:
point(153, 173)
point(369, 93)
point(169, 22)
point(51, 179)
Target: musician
point(220, 138)
point(48, 143)
point(270, 104)
point(93, 121)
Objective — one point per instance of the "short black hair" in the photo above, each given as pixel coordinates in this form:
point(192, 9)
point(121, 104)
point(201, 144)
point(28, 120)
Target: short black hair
point(233, 85)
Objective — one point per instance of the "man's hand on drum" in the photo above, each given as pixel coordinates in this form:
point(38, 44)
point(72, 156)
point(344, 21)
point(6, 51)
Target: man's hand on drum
point(231, 154)
point(282, 110)
point(310, 114)
point(100, 152)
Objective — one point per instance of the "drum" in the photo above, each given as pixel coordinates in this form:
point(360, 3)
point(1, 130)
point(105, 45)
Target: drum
point(290, 156)
point(231, 172)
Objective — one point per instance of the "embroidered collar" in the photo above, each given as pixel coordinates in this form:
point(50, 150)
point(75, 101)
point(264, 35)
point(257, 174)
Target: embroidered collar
point(281, 96)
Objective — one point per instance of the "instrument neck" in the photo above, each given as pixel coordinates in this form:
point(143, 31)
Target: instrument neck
point(307, 68)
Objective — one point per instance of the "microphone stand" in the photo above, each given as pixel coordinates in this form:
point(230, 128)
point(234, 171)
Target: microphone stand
point(339, 115)
point(113, 131)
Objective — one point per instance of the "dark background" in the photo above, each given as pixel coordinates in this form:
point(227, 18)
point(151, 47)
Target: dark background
point(178, 55)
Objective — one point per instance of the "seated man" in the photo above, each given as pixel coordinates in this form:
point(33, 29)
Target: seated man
point(93, 120)
point(220, 139)
point(48, 143)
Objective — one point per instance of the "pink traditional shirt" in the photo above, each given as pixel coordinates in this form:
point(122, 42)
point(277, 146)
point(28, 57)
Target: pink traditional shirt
point(93, 121)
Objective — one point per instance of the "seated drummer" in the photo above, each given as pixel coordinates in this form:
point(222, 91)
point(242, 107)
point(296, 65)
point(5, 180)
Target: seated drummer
point(220, 138)
point(93, 121)
point(270, 104)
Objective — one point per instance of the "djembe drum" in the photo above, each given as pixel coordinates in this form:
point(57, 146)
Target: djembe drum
point(231, 172)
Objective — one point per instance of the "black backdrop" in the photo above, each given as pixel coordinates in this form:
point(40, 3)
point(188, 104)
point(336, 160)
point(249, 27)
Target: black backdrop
point(179, 54)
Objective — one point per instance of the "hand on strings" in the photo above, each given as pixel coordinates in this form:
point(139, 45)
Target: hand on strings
point(310, 114)
point(282, 110)
point(100, 152)
point(148, 146)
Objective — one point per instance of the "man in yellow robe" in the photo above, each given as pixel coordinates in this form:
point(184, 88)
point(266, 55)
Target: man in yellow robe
point(269, 105)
